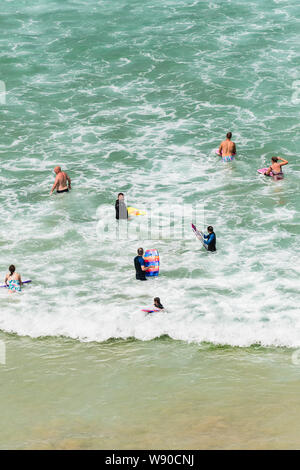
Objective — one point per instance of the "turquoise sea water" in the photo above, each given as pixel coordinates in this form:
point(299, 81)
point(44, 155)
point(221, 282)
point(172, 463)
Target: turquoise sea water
point(135, 97)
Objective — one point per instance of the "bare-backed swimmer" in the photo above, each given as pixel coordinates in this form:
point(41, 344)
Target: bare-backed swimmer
point(62, 182)
point(276, 168)
point(227, 148)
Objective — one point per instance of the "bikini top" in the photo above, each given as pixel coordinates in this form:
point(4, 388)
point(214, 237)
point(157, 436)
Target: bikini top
point(276, 172)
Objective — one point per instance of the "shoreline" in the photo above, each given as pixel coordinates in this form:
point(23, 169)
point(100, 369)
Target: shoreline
point(165, 393)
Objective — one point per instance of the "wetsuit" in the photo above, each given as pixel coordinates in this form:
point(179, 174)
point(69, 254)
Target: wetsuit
point(121, 210)
point(210, 241)
point(138, 263)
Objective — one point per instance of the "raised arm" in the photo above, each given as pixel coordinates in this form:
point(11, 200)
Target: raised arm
point(284, 162)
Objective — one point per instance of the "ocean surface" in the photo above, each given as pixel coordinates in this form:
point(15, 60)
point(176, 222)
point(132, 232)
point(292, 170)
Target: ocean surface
point(135, 96)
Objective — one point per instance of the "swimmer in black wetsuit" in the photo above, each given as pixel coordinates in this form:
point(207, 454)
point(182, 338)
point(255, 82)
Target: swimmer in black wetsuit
point(210, 239)
point(139, 264)
point(121, 209)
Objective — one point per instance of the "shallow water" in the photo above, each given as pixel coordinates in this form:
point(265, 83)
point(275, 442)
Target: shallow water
point(135, 97)
point(159, 394)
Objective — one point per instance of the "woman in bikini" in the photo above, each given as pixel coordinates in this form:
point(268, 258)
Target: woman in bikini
point(13, 280)
point(276, 169)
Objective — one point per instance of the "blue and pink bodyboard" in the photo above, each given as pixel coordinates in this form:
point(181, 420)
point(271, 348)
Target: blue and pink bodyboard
point(151, 258)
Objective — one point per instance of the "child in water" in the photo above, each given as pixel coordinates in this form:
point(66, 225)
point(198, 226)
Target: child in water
point(13, 280)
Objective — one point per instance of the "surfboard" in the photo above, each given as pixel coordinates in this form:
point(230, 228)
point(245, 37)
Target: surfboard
point(134, 211)
point(151, 258)
point(24, 282)
point(199, 235)
point(263, 170)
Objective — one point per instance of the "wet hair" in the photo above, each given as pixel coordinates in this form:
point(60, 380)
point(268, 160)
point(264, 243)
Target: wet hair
point(120, 194)
point(140, 251)
point(210, 229)
point(229, 135)
point(274, 159)
point(12, 269)
point(157, 302)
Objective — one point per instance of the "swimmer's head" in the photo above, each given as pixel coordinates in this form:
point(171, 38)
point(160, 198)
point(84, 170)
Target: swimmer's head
point(229, 135)
point(274, 159)
point(157, 302)
point(210, 229)
point(120, 196)
point(12, 269)
point(140, 251)
point(57, 169)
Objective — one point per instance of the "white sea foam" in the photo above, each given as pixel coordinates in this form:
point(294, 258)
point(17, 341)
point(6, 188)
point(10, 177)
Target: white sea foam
point(141, 111)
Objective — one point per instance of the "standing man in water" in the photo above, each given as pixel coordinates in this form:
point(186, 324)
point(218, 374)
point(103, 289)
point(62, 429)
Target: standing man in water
point(121, 209)
point(210, 239)
point(139, 264)
point(227, 148)
point(60, 183)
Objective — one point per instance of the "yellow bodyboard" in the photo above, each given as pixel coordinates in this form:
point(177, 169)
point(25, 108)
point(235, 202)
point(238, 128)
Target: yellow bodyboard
point(134, 211)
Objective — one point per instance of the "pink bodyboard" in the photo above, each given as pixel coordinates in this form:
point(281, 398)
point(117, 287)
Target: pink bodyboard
point(263, 170)
point(149, 311)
